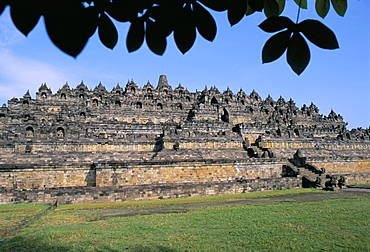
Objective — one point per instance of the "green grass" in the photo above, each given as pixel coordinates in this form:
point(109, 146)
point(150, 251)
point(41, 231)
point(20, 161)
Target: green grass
point(367, 184)
point(329, 225)
point(11, 215)
point(195, 200)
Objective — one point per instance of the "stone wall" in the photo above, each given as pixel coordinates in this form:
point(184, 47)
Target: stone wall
point(45, 176)
point(133, 173)
point(285, 148)
point(79, 195)
point(121, 173)
point(343, 166)
point(357, 178)
point(117, 174)
point(314, 144)
point(103, 174)
point(96, 146)
point(144, 192)
point(204, 144)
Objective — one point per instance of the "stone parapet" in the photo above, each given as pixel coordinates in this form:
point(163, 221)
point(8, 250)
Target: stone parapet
point(144, 192)
point(342, 166)
point(191, 171)
point(109, 173)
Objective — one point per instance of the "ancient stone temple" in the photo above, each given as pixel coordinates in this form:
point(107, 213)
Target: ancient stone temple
point(130, 143)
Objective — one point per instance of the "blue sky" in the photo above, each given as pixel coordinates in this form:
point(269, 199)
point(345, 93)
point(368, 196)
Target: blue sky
point(337, 79)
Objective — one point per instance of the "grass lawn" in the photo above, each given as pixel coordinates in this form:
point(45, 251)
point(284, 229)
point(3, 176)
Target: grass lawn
point(361, 185)
point(293, 220)
point(11, 215)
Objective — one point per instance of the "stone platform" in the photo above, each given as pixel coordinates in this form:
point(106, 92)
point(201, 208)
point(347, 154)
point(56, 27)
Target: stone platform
point(159, 136)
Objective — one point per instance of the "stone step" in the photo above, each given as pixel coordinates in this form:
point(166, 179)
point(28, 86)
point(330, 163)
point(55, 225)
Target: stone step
point(311, 175)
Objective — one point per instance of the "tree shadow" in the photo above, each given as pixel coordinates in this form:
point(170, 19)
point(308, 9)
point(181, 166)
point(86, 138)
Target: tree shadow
point(22, 243)
point(154, 248)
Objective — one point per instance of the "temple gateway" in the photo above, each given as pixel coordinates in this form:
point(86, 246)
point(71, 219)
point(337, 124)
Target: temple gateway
point(93, 145)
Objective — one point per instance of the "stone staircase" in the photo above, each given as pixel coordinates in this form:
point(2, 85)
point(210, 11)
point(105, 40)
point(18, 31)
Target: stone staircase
point(303, 171)
point(310, 172)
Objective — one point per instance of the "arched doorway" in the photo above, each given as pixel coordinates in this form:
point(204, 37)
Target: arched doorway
point(225, 116)
point(60, 132)
point(214, 101)
point(29, 132)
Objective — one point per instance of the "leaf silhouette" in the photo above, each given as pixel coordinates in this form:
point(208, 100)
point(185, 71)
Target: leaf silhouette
point(318, 34)
point(271, 8)
point(135, 35)
point(25, 15)
point(155, 38)
point(107, 31)
point(78, 25)
point(275, 46)
point(298, 54)
point(204, 22)
point(236, 11)
point(274, 24)
point(184, 33)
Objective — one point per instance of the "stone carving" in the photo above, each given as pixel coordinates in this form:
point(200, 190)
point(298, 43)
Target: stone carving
point(298, 159)
point(314, 169)
point(290, 171)
point(28, 148)
point(309, 183)
point(268, 153)
point(341, 182)
point(318, 182)
point(176, 146)
point(332, 183)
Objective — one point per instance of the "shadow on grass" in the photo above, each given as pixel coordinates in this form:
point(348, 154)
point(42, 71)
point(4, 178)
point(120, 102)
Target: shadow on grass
point(141, 248)
point(24, 245)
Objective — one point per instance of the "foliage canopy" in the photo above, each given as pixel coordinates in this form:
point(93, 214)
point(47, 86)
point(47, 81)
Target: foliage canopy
point(70, 23)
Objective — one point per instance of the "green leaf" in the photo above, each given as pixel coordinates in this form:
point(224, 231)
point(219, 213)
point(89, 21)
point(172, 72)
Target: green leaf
point(318, 34)
point(275, 46)
point(216, 5)
point(107, 31)
point(281, 4)
point(271, 8)
point(249, 10)
point(322, 7)
point(236, 11)
point(274, 24)
point(184, 33)
point(256, 5)
point(135, 35)
point(340, 6)
point(301, 3)
point(25, 15)
point(298, 54)
point(204, 22)
point(155, 38)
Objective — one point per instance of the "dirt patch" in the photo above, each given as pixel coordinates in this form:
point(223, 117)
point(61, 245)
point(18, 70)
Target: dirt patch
point(14, 230)
point(360, 188)
point(183, 208)
point(145, 211)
